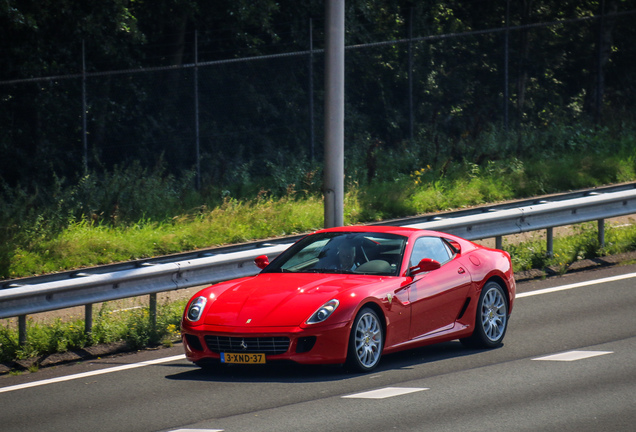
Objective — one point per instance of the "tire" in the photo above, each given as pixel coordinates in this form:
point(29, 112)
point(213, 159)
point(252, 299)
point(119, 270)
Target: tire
point(491, 318)
point(365, 342)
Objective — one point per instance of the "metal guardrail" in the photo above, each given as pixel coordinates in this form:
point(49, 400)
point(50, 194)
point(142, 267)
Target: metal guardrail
point(22, 297)
point(88, 288)
point(536, 217)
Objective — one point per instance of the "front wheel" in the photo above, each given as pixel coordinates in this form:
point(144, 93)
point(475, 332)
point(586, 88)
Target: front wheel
point(491, 319)
point(366, 341)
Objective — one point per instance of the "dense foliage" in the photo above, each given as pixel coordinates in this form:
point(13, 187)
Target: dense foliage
point(254, 115)
point(423, 115)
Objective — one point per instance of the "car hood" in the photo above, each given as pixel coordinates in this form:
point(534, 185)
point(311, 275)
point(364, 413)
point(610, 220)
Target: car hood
point(276, 299)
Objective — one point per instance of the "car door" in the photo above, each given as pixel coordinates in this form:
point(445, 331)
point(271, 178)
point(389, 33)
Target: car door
point(437, 297)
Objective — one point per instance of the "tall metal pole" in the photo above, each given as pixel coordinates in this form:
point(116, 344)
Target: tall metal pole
point(334, 114)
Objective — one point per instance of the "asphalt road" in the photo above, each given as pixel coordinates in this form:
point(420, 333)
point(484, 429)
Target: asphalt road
point(589, 386)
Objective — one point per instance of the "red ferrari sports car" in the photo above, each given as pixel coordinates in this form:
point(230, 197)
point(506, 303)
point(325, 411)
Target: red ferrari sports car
point(349, 295)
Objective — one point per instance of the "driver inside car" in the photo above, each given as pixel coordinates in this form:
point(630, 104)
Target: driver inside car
point(347, 257)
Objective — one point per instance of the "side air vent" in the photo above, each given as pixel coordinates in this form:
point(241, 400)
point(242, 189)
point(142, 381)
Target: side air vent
point(305, 344)
point(463, 311)
point(193, 342)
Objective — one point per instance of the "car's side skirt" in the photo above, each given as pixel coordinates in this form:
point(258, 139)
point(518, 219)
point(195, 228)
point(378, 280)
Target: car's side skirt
point(451, 332)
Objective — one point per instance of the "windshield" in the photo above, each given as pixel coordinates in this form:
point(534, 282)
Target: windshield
point(343, 252)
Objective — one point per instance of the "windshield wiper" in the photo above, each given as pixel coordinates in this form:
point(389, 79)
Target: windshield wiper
point(279, 270)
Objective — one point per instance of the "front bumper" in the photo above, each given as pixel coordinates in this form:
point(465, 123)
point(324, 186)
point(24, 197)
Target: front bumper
point(314, 345)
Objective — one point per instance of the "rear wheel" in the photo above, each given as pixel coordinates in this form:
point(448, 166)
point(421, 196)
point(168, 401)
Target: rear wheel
point(366, 341)
point(491, 319)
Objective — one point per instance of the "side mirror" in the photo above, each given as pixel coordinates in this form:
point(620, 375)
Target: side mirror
point(426, 265)
point(261, 261)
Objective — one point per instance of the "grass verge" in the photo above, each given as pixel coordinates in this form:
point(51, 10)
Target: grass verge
point(131, 326)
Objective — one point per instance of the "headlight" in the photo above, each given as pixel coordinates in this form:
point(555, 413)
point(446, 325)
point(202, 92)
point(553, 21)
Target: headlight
point(323, 313)
point(196, 309)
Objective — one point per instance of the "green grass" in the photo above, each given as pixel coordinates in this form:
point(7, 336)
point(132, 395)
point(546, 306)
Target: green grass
point(83, 242)
point(581, 244)
point(131, 326)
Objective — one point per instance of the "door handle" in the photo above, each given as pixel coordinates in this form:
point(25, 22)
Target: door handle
point(461, 270)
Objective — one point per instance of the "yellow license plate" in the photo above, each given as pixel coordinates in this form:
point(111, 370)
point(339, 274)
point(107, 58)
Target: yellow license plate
point(243, 358)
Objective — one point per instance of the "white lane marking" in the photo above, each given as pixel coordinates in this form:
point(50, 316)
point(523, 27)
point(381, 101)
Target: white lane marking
point(576, 285)
point(573, 355)
point(198, 430)
point(384, 393)
point(92, 373)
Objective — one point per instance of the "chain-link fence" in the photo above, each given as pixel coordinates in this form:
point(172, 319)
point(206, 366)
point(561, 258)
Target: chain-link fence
point(245, 118)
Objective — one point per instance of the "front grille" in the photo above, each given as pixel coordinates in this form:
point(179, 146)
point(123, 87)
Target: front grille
point(265, 345)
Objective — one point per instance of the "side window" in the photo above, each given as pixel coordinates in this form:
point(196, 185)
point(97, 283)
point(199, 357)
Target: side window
point(430, 247)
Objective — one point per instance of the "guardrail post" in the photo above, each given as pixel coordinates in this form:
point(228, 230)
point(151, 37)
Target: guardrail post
point(22, 330)
point(550, 245)
point(88, 320)
point(601, 233)
point(152, 309)
point(499, 242)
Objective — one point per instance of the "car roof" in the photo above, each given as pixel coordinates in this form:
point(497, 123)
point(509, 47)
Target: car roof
point(405, 231)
